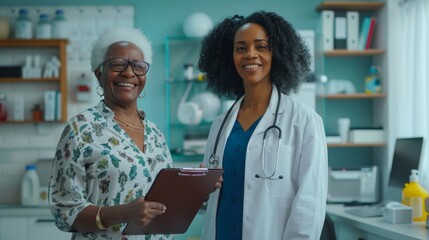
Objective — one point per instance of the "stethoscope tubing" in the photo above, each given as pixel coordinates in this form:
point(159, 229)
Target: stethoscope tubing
point(214, 159)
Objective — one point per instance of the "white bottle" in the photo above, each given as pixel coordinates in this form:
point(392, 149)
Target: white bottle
point(23, 25)
point(30, 187)
point(59, 25)
point(43, 27)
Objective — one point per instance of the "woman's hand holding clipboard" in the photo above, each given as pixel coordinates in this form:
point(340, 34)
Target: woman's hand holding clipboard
point(182, 191)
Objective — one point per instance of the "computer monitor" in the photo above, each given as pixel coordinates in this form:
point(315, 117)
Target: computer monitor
point(406, 156)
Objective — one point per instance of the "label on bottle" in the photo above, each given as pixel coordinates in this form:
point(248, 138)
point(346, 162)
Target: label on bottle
point(43, 31)
point(23, 29)
point(416, 203)
point(59, 29)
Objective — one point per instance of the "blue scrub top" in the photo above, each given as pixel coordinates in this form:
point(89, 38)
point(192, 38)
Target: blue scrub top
point(229, 220)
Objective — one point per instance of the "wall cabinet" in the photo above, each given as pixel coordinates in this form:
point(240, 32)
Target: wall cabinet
point(364, 110)
point(13, 52)
point(30, 228)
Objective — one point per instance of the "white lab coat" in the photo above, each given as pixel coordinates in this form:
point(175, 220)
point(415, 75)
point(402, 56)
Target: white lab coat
point(290, 208)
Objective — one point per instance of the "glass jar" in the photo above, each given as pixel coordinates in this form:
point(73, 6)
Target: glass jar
point(3, 110)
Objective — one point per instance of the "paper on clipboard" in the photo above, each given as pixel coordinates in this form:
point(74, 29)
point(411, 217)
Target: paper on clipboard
point(182, 191)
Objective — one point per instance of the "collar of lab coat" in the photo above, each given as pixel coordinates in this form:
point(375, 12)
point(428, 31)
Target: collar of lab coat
point(268, 117)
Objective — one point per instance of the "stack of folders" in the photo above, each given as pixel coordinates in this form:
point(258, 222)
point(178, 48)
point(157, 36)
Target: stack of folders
point(340, 30)
point(52, 103)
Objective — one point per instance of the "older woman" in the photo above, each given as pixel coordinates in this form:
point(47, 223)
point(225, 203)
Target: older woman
point(109, 155)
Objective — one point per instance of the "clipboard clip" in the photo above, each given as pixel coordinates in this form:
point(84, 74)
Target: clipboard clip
point(193, 172)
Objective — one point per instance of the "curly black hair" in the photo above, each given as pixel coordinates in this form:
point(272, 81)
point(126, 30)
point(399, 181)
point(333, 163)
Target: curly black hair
point(290, 62)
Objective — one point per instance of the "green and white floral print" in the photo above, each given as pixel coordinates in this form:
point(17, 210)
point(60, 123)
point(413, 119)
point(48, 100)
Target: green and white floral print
point(97, 163)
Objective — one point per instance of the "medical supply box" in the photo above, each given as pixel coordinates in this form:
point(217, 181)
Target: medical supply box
point(397, 213)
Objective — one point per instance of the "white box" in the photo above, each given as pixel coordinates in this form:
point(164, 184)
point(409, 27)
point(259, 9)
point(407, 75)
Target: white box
point(18, 108)
point(194, 146)
point(366, 136)
point(397, 213)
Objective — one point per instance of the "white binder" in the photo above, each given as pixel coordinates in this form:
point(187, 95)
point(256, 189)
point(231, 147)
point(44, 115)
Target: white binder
point(328, 30)
point(340, 30)
point(352, 30)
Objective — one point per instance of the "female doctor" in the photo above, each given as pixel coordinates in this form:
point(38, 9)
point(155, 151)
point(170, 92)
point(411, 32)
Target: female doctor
point(271, 147)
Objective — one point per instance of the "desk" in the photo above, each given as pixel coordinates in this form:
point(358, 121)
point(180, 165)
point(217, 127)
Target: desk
point(348, 226)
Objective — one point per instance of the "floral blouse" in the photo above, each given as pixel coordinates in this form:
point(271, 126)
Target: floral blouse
point(97, 163)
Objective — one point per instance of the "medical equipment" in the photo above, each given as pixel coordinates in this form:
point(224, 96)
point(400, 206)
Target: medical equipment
point(348, 185)
point(214, 159)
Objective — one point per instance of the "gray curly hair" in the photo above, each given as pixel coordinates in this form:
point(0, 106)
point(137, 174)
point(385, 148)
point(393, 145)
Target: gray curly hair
point(113, 35)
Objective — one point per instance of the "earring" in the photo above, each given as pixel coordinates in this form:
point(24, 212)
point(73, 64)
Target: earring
point(100, 94)
point(144, 95)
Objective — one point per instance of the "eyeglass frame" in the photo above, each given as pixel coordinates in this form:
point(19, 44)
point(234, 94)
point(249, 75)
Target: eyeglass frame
point(129, 63)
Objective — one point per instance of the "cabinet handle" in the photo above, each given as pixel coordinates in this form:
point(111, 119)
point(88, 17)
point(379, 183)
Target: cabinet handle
point(45, 220)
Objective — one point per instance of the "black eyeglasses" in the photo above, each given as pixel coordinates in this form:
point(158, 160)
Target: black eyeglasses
point(118, 64)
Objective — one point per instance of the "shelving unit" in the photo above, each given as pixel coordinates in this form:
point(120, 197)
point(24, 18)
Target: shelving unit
point(180, 50)
point(363, 109)
point(60, 46)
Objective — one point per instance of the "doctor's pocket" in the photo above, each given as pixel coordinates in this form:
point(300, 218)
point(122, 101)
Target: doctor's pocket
point(280, 185)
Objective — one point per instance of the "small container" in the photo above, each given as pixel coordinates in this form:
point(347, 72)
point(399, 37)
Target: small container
point(37, 113)
point(30, 187)
point(188, 71)
point(372, 81)
point(43, 27)
point(3, 110)
point(23, 25)
point(414, 195)
point(4, 28)
point(59, 25)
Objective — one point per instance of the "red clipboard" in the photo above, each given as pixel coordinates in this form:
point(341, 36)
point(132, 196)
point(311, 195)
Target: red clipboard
point(183, 191)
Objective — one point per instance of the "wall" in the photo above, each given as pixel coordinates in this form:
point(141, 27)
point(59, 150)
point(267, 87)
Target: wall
point(157, 21)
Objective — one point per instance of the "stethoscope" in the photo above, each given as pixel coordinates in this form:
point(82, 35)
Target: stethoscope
point(214, 159)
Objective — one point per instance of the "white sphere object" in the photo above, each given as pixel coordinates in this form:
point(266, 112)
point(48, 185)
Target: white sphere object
point(209, 103)
point(197, 25)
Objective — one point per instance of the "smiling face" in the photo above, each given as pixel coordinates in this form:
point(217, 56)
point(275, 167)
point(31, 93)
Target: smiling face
point(122, 88)
point(252, 55)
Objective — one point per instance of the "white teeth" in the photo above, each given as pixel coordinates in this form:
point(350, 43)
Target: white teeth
point(125, 84)
point(251, 66)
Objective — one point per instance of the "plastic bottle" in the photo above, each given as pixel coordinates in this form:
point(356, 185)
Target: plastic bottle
point(43, 27)
point(30, 187)
point(23, 25)
point(414, 195)
point(372, 81)
point(59, 28)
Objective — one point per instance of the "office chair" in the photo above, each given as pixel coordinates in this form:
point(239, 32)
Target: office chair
point(328, 231)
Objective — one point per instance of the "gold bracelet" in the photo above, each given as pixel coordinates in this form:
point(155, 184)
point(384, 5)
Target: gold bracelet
point(98, 220)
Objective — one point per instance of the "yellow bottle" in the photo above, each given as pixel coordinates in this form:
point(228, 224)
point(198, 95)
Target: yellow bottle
point(414, 195)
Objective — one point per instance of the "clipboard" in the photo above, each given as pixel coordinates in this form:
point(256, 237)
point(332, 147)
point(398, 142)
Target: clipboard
point(183, 191)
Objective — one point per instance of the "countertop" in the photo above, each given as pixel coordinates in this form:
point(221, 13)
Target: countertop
point(17, 210)
point(376, 225)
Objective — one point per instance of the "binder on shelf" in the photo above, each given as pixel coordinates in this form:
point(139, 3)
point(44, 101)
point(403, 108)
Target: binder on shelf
point(370, 34)
point(340, 33)
point(58, 105)
point(352, 30)
point(364, 33)
point(328, 30)
point(49, 101)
